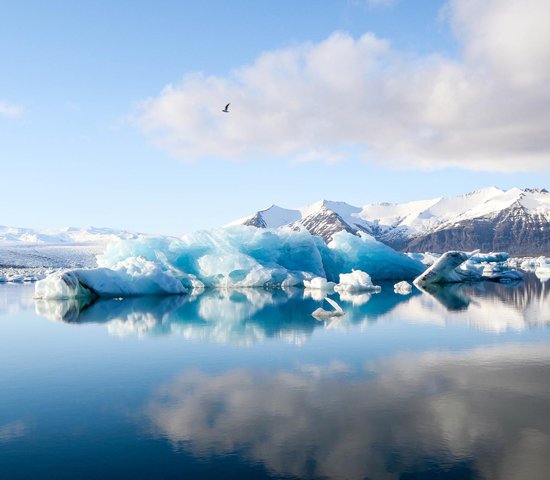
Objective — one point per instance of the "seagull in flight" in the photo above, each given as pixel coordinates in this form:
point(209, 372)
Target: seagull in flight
point(226, 109)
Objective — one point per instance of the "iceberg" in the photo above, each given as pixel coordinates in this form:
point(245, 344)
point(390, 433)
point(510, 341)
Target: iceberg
point(130, 277)
point(356, 281)
point(402, 288)
point(319, 283)
point(231, 257)
point(458, 267)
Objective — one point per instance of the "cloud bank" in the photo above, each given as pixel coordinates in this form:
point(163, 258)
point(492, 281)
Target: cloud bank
point(487, 110)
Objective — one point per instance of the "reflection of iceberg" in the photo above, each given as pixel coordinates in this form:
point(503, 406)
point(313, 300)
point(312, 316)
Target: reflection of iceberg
point(233, 257)
point(487, 305)
point(321, 313)
point(237, 316)
point(468, 413)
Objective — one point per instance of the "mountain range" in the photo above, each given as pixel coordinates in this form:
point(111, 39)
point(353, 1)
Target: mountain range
point(491, 219)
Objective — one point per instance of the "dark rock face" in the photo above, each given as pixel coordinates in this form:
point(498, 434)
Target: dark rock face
point(325, 223)
point(513, 230)
point(516, 229)
point(256, 221)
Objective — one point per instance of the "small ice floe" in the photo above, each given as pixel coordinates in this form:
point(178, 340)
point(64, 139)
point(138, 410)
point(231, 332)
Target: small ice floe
point(319, 283)
point(322, 314)
point(458, 267)
point(356, 281)
point(402, 288)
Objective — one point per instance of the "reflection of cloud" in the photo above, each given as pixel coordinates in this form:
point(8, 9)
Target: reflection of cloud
point(484, 411)
point(12, 431)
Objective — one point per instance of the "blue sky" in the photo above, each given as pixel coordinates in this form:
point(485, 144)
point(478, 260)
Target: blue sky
point(90, 136)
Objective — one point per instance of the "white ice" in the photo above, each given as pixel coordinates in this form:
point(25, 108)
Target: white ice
point(130, 277)
point(402, 288)
point(457, 267)
point(319, 283)
point(356, 281)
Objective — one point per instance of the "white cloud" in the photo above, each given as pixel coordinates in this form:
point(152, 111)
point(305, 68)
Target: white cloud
point(490, 110)
point(9, 110)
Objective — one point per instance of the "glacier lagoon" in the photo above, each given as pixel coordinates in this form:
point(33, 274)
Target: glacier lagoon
point(449, 381)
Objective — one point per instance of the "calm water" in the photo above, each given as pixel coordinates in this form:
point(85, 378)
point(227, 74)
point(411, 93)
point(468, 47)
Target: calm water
point(452, 383)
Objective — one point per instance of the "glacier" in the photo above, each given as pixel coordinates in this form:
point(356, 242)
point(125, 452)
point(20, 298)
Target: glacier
point(230, 257)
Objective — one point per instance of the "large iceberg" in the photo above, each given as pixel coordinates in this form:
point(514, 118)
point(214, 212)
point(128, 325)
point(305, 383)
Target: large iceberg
point(232, 257)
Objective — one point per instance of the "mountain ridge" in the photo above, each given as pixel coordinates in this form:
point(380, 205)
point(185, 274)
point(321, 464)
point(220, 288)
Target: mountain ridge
point(516, 220)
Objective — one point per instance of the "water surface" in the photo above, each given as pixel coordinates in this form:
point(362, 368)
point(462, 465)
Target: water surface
point(449, 383)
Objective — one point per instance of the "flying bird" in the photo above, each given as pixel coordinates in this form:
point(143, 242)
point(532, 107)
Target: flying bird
point(226, 109)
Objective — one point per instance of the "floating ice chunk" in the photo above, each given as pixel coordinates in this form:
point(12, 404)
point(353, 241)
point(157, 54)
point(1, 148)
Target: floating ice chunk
point(489, 257)
point(456, 267)
point(131, 277)
point(62, 285)
point(540, 266)
point(356, 281)
point(444, 270)
point(402, 288)
point(321, 313)
point(319, 283)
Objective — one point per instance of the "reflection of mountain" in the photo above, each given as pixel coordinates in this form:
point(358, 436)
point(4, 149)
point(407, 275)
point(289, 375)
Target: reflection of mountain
point(479, 414)
point(486, 305)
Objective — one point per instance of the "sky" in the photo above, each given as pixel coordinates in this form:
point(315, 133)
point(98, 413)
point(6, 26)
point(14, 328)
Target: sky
point(110, 112)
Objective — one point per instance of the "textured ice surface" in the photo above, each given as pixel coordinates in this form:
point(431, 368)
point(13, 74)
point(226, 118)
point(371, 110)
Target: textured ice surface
point(356, 281)
point(402, 288)
point(456, 267)
point(232, 257)
point(130, 277)
point(369, 255)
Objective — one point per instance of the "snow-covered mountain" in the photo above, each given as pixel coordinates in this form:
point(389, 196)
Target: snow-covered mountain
point(514, 220)
point(90, 235)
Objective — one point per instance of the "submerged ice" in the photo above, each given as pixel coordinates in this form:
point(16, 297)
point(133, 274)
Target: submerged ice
point(232, 257)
